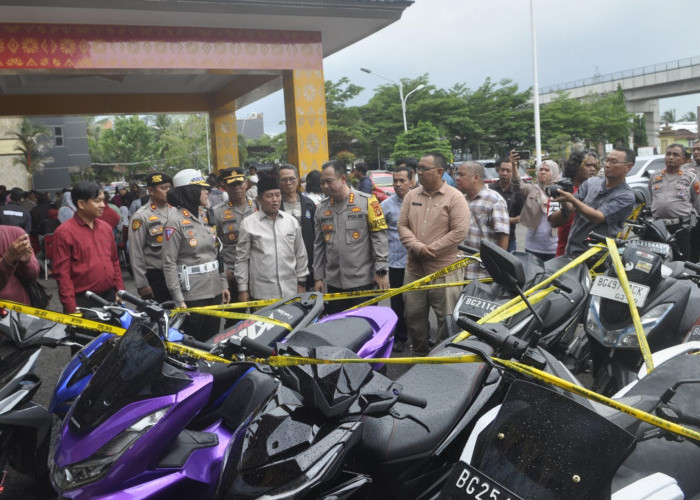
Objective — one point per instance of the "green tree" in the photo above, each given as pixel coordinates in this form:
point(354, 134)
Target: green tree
point(131, 142)
point(668, 116)
point(346, 130)
point(639, 129)
point(33, 141)
point(690, 116)
point(185, 144)
point(419, 140)
point(268, 149)
point(611, 121)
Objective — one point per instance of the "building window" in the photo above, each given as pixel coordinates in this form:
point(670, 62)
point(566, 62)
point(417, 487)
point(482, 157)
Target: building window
point(58, 136)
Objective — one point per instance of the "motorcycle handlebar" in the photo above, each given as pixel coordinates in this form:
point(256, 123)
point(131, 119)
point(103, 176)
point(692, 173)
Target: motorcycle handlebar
point(258, 348)
point(96, 298)
point(412, 400)
point(192, 342)
point(130, 297)
point(599, 238)
point(692, 266)
point(467, 249)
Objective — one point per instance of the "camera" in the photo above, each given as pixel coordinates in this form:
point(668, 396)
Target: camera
point(523, 154)
point(564, 184)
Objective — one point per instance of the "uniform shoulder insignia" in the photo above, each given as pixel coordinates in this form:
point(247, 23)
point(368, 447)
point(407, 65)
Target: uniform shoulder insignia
point(136, 224)
point(153, 206)
point(375, 216)
point(696, 185)
point(185, 212)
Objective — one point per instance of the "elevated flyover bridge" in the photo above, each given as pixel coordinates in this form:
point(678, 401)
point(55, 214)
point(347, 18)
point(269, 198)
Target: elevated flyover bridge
point(643, 87)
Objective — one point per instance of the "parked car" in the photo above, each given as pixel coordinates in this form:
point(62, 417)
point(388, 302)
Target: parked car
point(638, 177)
point(382, 184)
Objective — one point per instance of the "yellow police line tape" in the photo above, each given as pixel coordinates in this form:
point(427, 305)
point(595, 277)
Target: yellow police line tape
point(327, 296)
point(88, 324)
point(284, 361)
point(636, 321)
point(415, 284)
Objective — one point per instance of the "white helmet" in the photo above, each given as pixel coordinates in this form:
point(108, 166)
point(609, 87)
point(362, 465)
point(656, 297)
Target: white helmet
point(189, 176)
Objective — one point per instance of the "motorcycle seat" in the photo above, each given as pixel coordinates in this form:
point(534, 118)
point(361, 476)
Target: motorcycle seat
point(344, 332)
point(449, 390)
point(224, 376)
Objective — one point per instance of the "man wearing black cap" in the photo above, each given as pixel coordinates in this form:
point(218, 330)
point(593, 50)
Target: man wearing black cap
point(227, 216)
point(271, 260)
point(146, 239)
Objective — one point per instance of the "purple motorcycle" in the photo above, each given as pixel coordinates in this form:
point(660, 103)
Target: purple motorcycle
point(154, 424)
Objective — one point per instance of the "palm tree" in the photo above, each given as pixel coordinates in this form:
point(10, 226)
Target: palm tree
point(690, 116)
point(669, 116)
point(33, 141)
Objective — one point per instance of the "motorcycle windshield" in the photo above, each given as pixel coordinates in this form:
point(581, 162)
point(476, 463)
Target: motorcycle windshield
point(544, 445)
point(133, 371)
point(26, 330)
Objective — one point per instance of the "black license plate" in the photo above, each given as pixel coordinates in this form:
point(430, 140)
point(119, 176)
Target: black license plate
point(476, 303)
point(467, 482)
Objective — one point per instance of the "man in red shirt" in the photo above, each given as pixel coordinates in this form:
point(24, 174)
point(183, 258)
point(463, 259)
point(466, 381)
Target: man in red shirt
point(85, 251)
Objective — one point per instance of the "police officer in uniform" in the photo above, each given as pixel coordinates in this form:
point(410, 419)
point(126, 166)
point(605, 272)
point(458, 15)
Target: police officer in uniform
point(190, 256)
point(674, 196)
point(227, 217)
point(351, 248)
point(146, 239)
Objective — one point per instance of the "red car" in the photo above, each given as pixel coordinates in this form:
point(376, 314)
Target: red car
point(382, 184)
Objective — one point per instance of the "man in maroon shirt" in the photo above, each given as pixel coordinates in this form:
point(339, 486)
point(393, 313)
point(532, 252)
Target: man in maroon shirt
point(85, 251)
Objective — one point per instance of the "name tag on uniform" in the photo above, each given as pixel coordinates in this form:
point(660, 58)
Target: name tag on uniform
point(416, 204)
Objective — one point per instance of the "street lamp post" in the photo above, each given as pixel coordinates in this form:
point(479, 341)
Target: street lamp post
point(401, 96)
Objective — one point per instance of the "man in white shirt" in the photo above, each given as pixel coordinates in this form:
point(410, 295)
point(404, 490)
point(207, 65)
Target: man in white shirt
point(271, 260)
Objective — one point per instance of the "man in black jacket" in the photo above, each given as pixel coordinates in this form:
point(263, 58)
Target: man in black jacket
point(302, 208)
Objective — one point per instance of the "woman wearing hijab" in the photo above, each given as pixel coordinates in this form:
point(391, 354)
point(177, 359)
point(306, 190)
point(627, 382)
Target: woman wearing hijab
point(541, 238)
point(190, 256)
point(67, 208)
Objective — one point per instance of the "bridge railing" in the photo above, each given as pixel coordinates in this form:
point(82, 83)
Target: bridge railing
point(619, 75)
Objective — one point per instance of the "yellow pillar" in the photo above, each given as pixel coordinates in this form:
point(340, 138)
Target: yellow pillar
point(224, 137)
point(305, 112)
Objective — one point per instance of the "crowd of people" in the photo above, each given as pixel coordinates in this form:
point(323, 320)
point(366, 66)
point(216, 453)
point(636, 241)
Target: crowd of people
point(243, 236)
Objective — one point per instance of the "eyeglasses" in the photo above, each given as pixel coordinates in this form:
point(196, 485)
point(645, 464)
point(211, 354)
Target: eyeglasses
point(425, 169)
point(614, 162)
point(285, 180)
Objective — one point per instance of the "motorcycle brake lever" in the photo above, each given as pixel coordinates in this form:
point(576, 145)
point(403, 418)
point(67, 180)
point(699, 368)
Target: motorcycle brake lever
point(476, 350)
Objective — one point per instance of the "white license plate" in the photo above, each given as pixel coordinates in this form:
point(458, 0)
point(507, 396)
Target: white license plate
point(611, 288)
point(484, 305)
point(652, 246)
point(466, 482)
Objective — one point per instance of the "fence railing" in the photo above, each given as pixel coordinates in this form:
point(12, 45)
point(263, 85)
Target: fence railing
point(619, 75)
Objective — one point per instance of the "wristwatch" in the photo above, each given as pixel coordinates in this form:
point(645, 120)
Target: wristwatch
point(382, 272)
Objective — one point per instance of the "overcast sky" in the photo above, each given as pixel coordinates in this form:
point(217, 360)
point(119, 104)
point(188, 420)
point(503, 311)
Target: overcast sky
point(470, 40)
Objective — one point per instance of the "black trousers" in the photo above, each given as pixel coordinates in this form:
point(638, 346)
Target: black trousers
point(199, 326)
point(336, 306)
point(396, 275)
point(156, 280)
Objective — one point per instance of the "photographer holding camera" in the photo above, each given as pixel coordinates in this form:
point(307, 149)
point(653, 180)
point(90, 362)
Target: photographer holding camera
point(602, 204)
point(540, 239)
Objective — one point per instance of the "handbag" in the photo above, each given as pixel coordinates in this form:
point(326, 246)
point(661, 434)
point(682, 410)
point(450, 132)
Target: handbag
point(37, 294)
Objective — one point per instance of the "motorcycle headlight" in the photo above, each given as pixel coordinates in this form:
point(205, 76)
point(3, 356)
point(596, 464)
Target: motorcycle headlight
point(95, 467)
point(623, 337)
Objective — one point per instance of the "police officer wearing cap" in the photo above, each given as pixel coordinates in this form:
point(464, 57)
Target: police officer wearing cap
point(227, 217)
point(146, 239)
point(351, 249)
point(674, 199)
point(190, 255)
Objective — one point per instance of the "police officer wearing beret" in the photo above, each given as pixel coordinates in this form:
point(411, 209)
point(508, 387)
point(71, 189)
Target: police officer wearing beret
point(190, 255)
point(146, 239)
point(351, 249)
point(227, 217)
point(674, 197)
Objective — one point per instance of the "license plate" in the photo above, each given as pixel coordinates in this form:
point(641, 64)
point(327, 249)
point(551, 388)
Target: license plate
point(477, 303)
point(467, 482)
point(653, 246)
point(611, 288)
